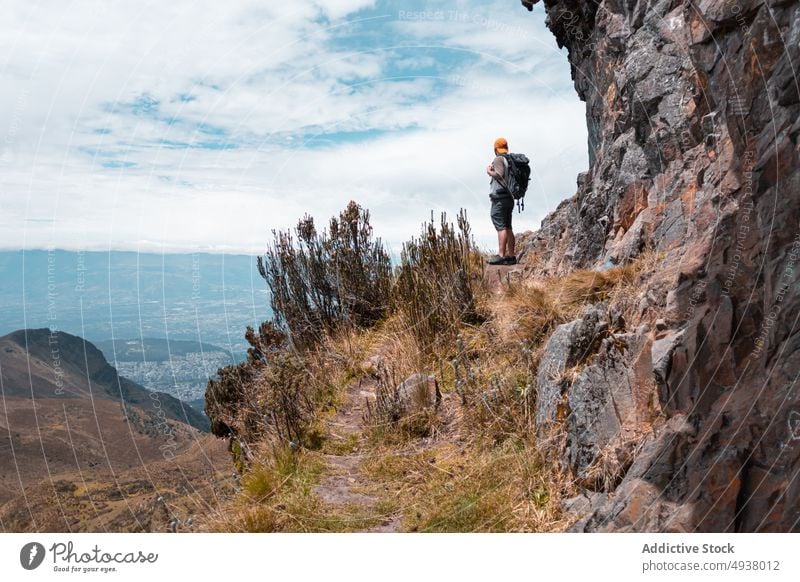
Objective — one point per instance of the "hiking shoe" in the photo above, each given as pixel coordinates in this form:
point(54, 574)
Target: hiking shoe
point(496, 260)
point(512, 260)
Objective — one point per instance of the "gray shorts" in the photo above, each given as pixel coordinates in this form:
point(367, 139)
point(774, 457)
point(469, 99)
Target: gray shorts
point(502, 210)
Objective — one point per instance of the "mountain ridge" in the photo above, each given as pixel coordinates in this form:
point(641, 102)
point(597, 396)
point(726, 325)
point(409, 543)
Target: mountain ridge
point(84, 359)
point(635, 372)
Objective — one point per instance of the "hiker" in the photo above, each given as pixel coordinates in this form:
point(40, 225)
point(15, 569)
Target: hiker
point(502, 205)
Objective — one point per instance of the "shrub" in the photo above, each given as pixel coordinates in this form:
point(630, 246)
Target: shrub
point(433, 288)
point(267, 393)
point(324, 280)
point(226, 394)
point(408, 412)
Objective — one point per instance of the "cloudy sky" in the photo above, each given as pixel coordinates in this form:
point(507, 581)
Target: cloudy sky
point(205, 124)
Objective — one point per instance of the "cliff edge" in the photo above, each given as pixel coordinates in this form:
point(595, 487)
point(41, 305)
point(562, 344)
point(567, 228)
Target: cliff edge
point(693, 115)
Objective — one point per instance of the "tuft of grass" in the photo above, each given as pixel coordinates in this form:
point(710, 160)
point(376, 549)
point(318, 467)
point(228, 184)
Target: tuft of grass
point(277, 494)
point(341, 446)
point(584, 287)
point(266, 478)
point(474, 488)
point(525, 312)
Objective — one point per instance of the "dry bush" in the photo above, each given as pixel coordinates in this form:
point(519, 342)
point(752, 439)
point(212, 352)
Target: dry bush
point(387, 418)
point(327, 284)
point(433, 290)
point(269, 394)
point(325, 280)
point(226, 394)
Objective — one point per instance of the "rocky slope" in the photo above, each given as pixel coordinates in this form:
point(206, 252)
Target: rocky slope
point(688, 417)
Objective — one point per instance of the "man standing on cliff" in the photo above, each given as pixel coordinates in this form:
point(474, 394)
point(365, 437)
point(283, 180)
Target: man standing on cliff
point(502, 205)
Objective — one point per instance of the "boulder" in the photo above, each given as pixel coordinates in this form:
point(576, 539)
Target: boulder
point(417, 393)
point(610, 405)
point(570, 344)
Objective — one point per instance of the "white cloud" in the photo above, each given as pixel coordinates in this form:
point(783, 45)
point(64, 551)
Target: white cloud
point(101, 99)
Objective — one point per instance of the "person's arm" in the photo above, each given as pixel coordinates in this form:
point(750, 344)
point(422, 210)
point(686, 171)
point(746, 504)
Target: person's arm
point(498, 168)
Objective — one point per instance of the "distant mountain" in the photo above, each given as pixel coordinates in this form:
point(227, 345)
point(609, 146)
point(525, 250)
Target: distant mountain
point(66, 410)
point(47, 364)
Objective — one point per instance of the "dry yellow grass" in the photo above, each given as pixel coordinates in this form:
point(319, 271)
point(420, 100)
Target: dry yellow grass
point(473, 487)
point(582, 287)
point(524, 312)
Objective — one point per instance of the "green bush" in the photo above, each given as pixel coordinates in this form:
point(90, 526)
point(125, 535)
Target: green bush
point(270, 392)
point(324, 280)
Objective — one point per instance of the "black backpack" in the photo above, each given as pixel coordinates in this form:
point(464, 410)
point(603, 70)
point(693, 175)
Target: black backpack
point(519, 174)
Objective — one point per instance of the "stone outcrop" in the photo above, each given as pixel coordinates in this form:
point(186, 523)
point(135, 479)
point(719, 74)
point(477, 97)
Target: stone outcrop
point(415, 394)
point(569, 345)
point(611, 407)
point(693, 115)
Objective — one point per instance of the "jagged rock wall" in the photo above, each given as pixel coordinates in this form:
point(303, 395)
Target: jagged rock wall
point(693, 113)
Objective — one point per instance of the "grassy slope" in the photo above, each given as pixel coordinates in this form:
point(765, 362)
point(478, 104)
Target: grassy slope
point(474, 465)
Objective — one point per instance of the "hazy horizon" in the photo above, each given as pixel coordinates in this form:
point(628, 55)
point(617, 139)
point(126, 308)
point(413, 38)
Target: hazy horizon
point(106, 295)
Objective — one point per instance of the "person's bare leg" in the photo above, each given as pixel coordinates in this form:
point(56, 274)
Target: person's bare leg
point(511, 242)
point(502, 241)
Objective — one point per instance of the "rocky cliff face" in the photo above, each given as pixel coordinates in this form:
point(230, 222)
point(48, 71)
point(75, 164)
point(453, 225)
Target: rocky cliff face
point(692, 412)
